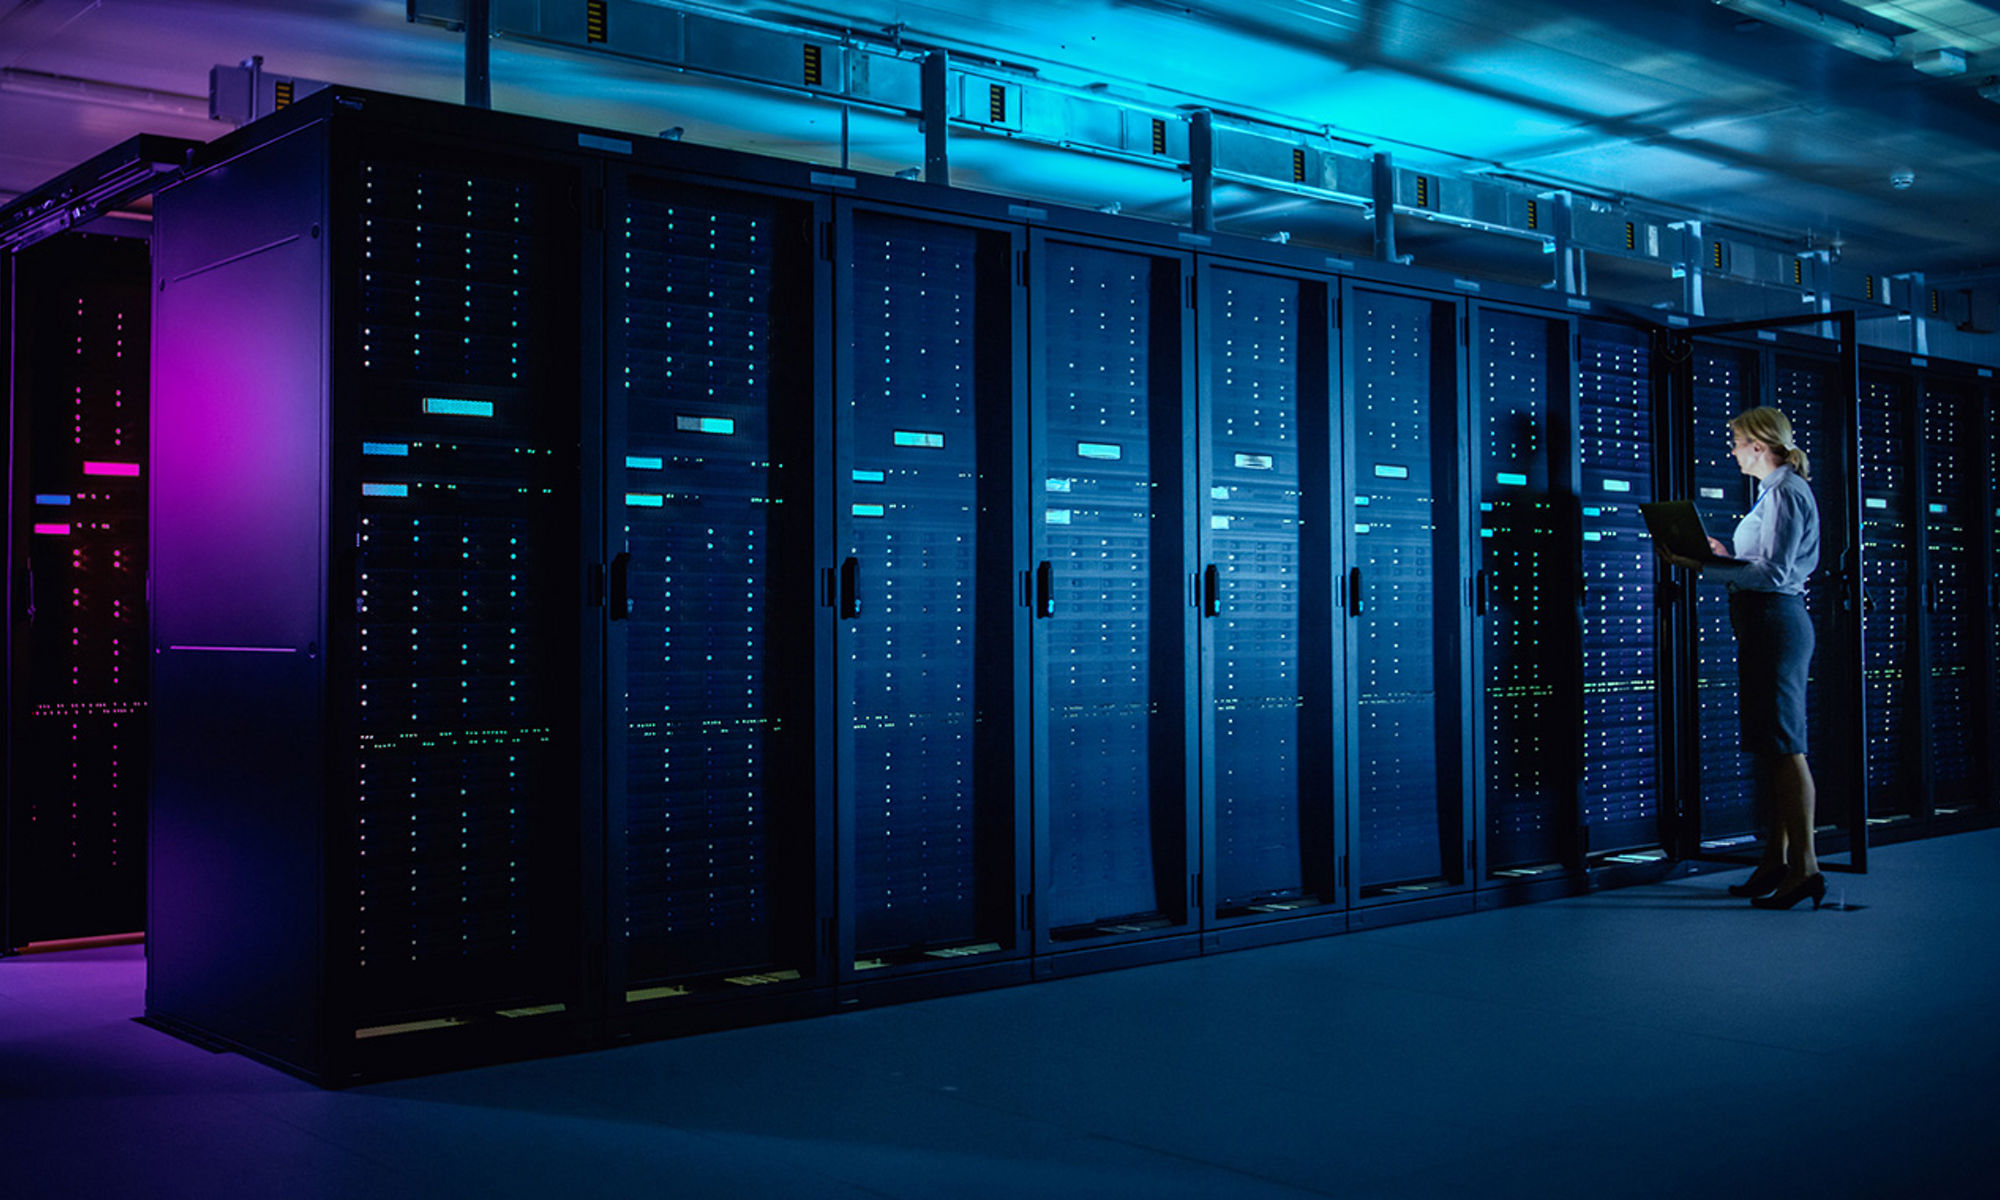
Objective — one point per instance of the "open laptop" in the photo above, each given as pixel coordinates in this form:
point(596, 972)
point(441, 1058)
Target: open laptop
point(1676, 525)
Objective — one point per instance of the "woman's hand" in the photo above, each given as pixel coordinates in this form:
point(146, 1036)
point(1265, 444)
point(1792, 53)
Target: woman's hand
point(1716, 547)
point(1676, 559)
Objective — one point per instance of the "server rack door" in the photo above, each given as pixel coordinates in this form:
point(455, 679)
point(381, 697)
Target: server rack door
point(1951, 595)
point(1111, 632)
point(453, 878)
point(75, 842)
point(1617, 442)
point(1889, 525)
point(1524, 593)
point(1726, 382)
point(923, 584)
point(1266, 587)
point(1990, 523)
point(1403, 584)
point(713, 303)
point(1807, 392)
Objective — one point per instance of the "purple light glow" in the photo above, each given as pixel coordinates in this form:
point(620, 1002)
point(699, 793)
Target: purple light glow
point(52, 528)
point(111, 468)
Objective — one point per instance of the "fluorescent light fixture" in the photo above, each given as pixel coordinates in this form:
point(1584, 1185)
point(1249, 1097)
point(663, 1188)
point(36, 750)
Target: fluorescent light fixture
point(1941, 63)
point(1813, 23)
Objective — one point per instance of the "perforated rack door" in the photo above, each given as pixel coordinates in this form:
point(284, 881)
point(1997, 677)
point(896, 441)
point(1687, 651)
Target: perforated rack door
point(712, 329)
point(1524, 593)
point(1889, 530)
point(1951, 596)
point(1616, 444)
point(1110, 634)
point(1267, 692)
point(457, 430)
point(924, 582)
point(1403, 571)
point(1804, 390)
point(76, 846)
point(1725, 384)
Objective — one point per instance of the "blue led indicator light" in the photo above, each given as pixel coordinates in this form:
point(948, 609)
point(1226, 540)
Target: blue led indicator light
point(1057, 516)
point(1617, 485)
point(1593, 537)
point(1104, 450)
point(861, 476)
point(386, 449)
point(1218, 522)
point(1361, 501)
point(1057, 485)
point(1255, 462)
point(1872, 503)
point(1361, 529)
point(1385, 471)
point(385, 489)
point(644, 500)
point(869, 510)
point(1937, 508)
point(1486, 533)
point(1713, 494)
point(1512, 480)
point(441, 406)
point(49, 498)
point(639, 462)
point(1593, 512)
point(927, 441)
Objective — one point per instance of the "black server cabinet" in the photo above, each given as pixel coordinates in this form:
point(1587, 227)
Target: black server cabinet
point(1114, 800)
point(1951, 598)
point(72, 852)
point(926, 536)
point(716, 314)
point(1726, 382)
point(1891, 528)
point(1525, 591)
point(1617, 448)
point(369, 622)
point(1405, 726)
point(1265, 517)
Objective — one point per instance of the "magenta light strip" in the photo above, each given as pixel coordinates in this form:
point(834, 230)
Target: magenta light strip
point(110, 468)
point(243, 649)
point(51, 527)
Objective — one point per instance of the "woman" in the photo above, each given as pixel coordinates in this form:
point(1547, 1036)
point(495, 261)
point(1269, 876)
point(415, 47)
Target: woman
point(1779, 541)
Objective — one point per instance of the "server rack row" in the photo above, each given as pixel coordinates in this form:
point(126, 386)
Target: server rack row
point(675, 589)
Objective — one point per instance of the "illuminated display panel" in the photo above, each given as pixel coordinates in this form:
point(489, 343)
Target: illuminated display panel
point(1890, 526)
point(1951, 596)
point(1725, 384)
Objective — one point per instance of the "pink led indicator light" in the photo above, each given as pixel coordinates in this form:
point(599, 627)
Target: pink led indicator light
point(53, 528)
point(110, 468)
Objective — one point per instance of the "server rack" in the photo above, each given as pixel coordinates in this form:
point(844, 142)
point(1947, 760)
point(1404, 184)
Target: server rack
point(72, 833)
point(369, 850)
point(717, 822)
point(927, 532)
point(1891, 529)
point(1950, 599)
point(1114, 741)
point(1406, 719)
point(1266, 514)
point(1526, 594)
point(1618, 468)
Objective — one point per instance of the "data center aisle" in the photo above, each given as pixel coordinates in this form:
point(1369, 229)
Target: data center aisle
point(1643, 1042)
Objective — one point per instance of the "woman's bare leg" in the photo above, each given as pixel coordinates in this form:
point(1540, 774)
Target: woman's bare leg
point(1795, 799)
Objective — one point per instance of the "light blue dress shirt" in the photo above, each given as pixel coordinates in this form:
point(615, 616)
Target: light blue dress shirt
point(1779, 538)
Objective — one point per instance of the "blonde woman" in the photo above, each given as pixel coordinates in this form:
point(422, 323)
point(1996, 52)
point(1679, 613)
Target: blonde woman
point(1779, 543)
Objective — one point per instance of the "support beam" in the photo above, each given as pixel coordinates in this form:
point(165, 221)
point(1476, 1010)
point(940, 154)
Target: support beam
point(1689, 271)
point(1383, 180)
point(478, 53)
point(935, 83)
point(1201, 168)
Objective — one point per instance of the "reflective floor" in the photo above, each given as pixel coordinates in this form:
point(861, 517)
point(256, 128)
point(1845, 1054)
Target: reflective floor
point(1656, 1041)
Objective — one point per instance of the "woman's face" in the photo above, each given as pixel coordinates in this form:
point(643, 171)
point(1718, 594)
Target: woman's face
point(1752, 458)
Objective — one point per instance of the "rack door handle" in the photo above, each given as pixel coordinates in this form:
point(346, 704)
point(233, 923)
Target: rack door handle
point(850, 588)
point(1354, 591)
point(1045, 589)
point(1479, 586)
point(1211, 591)
point(619, 593)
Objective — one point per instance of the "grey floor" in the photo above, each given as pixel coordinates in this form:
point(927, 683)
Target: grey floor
point(1655, 1041)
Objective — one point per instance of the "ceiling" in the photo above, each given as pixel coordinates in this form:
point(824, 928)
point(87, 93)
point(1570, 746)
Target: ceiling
point(1689, 105)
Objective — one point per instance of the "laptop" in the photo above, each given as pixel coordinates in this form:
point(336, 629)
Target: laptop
point(1676, 525)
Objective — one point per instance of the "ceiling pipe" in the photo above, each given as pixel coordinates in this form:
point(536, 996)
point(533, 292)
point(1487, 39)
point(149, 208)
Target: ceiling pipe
point(1820, 26)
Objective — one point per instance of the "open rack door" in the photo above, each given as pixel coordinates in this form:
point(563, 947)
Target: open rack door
point(1718, 371)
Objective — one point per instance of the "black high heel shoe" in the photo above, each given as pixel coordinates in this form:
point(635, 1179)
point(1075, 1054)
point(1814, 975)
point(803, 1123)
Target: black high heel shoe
point(1762, 880)
point(1813, 885)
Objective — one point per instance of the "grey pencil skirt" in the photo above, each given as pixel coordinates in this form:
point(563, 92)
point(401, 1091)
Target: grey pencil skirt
point(1774, 649)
